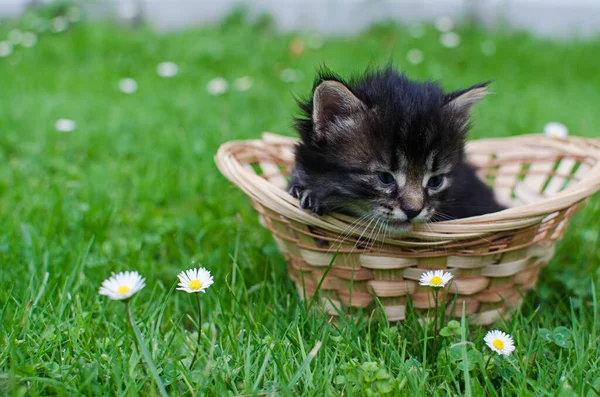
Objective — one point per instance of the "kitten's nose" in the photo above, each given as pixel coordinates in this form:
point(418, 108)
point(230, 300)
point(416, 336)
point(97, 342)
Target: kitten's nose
point(412, 212)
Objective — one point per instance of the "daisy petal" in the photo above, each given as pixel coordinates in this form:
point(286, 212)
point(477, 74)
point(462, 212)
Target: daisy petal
point(122, 285)
point(194, 280)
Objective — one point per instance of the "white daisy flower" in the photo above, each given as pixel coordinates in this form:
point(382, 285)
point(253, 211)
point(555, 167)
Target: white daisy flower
point(314, 41)
point(167, 69)
point(5, 49)
point(128, 85)
point(74, 14)
point(500, 342)
point(15, 36)
point(243, 83)
point(60, 24)
point(435, 279)
point(29, 39)
point(217, 86)
point(194, 280)
point(416, 30)
point(415, 56)
point(556, 130)
point(65, 125)
point(450, 39)
point(444, 23)
point(122, 285)
point(291, 75)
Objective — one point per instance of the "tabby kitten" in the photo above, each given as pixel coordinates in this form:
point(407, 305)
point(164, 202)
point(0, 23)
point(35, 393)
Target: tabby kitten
point(386, 147)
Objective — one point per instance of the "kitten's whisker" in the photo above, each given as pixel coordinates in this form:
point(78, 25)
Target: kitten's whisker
point(363, 232)
point(385, 233)
point(384, 229)
point(367, 228)
point(371, 237)
point(387, 230)
point(347, 231)
point(381, 229)
point(350, 229)
point(440, 216)
point(428, 226)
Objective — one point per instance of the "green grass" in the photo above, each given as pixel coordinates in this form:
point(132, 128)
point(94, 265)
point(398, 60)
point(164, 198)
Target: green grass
point(135, 188)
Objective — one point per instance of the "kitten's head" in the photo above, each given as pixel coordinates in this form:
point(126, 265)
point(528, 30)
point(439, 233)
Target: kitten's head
point(383, 145)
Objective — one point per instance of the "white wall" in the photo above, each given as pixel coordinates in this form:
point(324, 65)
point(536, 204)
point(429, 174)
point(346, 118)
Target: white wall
point(326, 16)
point(11, 8)
point(559, 18)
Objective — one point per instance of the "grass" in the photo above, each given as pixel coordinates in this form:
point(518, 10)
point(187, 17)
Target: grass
point(134, 187)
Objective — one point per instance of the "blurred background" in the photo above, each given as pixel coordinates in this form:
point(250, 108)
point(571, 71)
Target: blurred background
point(111, 113)
point(545, 17)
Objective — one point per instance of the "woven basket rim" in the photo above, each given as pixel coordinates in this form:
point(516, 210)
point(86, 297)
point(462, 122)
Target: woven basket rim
point(276, 199)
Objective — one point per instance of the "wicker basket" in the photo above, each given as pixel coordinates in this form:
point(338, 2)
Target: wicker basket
point(495, 258)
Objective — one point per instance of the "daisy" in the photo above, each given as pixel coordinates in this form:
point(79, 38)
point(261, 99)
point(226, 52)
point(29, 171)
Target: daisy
point(74, 14)
point(60, 24)
point(314, 41)
point(556, 130)
point(217, 86)
point(415, 56)
point(15, 36)
point(5, 49)
point(450, 39)
point(435, 279)
point(65, 125)
point(29, 39)
point(444, 24)
point(500, 342)
point(128, 85)
point(122, 285)
point(416, 30)
point(290, 75)
point(195, 280)
point(167, 69)
point(243, 83)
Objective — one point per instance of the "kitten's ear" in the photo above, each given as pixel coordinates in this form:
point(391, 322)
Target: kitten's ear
point(462, 101)
point(334, 107)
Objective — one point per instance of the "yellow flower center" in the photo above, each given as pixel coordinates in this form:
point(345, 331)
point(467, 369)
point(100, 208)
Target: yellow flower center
point(498, 344)
point(195, 285)
point(123, 289)
point(436, 280)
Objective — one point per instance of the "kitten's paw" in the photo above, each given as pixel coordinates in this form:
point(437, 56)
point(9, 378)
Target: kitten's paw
point(307, 198)
point(296, 191)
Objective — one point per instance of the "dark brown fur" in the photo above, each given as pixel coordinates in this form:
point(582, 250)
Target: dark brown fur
point(378, 146)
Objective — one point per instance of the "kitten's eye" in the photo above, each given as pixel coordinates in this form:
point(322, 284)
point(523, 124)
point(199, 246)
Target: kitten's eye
point(385, 177)
point(435, 182)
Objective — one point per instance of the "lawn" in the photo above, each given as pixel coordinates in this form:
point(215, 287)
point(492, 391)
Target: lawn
point(134, 187)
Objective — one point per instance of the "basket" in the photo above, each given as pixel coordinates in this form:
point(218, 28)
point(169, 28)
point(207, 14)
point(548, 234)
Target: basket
point(495, 258)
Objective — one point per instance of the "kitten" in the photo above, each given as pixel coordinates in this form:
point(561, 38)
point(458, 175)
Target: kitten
point(388, 148)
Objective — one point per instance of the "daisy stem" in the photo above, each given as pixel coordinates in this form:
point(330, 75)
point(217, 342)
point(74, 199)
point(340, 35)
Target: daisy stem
point(488, 362)
point(145, 353)
point(435, 323)
point(199, 330)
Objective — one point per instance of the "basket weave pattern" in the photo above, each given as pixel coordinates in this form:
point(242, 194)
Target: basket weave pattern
point(495, 258)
